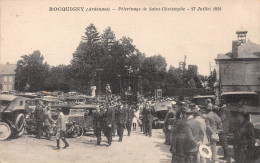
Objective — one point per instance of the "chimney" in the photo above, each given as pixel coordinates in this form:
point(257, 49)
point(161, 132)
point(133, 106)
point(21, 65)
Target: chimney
point(235, 49)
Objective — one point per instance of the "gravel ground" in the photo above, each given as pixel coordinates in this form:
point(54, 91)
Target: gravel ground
point(136, 148)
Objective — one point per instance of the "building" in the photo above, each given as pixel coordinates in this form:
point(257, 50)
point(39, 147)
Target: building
point(7, 76)
point(239, 70)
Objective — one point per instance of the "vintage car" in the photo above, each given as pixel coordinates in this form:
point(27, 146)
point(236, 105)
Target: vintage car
point(160, 111)
point(83, 115)
point(79, 118)
point(12, 114)
point(200, 101)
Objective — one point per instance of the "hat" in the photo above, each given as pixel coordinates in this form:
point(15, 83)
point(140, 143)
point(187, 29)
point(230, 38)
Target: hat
point(205, 151)
point(187, 110)
point(208, 100)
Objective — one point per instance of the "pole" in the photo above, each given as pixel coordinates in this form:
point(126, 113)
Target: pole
point(99, 86)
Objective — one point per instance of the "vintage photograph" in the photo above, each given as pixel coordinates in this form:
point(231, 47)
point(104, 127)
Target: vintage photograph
point(123, 81)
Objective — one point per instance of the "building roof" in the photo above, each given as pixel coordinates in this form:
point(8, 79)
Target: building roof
point(7, 69)
point(245, 51)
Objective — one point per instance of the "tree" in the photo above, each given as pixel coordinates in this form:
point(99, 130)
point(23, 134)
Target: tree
point(58, 79)
point(31, 72)
point(212, 79)
point(153, 71)
point(86, 59)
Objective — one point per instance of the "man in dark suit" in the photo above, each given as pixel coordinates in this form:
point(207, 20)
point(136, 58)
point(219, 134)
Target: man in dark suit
point(120, 115)
point(194, 134)
point(148, 115)
point(130, 116)
point(109, 120)
point(40, 118)
point(98, 123)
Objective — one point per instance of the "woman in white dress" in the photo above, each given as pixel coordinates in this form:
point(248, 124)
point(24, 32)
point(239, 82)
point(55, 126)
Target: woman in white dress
point(136, 117)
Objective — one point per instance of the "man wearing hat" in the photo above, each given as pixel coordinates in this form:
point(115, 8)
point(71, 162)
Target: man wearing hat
point(194, 134)
point(167, 124)
point(40, 118)
point(225, 116)
point(61, 129)
point(214, 126)
point(98, 123)
point(109, 120)
point(120, 116)
point(148, 116)
point(130, 116)
point(244, 138)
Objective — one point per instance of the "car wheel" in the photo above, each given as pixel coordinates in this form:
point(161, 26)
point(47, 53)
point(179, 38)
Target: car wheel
point(20, 133)
point(5, 131)
point(19, 122)
point(81, 131)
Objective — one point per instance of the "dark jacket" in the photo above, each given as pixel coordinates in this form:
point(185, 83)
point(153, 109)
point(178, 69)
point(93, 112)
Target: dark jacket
point(148, 114)
point(194, 133)
point(178, 137)
point(39, 114)
point(98, 119)
point(226, 118)
point(121, 115)
point(110, 116)
point(130, 114)
point(244, 135)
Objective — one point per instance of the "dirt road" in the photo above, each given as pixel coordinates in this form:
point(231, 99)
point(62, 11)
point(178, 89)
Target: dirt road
point(137, 148)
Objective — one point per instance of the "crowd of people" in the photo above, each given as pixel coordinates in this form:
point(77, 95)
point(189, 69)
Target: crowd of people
point(112, 118)
point(189, 128)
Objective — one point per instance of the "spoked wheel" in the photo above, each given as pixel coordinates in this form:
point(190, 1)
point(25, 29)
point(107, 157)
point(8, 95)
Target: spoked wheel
point(5, 131)
point(81, 133)
point(19, 122)
point(77, 131)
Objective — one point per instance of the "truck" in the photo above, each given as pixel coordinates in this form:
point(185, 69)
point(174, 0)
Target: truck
point(238, 81)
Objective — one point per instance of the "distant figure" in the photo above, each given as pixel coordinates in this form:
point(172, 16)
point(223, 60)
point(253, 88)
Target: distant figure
point(108, 92)
point(47, 123)
point(93, 91)
point(61, 129)
point(40, 118)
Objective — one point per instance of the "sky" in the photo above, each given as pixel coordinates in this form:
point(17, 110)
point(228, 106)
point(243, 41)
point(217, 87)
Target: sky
point(200, 35)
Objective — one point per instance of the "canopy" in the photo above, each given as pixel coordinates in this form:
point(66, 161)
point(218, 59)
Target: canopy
point(5, 97)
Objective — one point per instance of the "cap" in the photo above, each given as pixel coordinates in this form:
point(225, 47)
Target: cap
point(208, 100)
point(187, 110)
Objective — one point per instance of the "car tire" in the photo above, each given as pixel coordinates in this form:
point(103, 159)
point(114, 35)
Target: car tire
point(5, 131)
point(20, 133)
point(19, 122)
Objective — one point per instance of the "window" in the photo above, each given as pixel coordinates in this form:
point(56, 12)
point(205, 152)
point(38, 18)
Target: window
point(10, 79)
point(10, 87)
point(5, 87)
point(5, 79)
point(21, 103)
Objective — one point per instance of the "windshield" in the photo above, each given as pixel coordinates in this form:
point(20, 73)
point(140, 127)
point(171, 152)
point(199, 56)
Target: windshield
point(161, 114)
point(241, 99)
point(4, 103)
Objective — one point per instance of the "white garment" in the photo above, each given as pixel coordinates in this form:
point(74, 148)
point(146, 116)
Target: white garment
point(136, 117)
